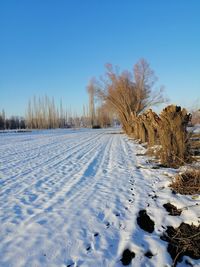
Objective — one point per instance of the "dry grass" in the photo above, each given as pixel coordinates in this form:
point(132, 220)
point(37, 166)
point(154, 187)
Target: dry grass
point(187, 183)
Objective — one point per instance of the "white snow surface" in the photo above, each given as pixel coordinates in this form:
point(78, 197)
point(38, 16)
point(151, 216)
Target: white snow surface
point(71, 198)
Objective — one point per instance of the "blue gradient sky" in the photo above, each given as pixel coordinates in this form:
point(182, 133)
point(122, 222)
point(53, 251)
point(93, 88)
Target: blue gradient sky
point(54, 47)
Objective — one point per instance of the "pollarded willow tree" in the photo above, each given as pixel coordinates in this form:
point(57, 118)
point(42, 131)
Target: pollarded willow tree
point(129, 94)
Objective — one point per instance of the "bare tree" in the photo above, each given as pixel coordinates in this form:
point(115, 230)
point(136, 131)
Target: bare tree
point(103, 116)
point(42, 113)
point(91, 92)
point(129, 94)
point(2, 120)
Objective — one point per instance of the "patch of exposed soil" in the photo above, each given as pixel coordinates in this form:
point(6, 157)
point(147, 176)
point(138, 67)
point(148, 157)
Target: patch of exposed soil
point(127, 257)
point(145, 222)
point(183, 241)
point(173, 211)
point(140, 154)
point(116, 133)
point(155, 167)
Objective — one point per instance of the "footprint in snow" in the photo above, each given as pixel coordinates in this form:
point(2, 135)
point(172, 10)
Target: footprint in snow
point(107, 224)
point(74, 264)
point(122, 226)
point(96, 234)
point(101, 216)
point(30, 211)
point(70, 264)
point(88, 248)
point(96, 240)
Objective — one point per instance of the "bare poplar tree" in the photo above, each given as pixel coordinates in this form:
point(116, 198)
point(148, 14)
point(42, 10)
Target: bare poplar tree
point(4, 119)
point(103, 115)
point(91, 92)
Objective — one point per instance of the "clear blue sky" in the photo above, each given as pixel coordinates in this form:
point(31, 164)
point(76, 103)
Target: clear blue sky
point(54, 47)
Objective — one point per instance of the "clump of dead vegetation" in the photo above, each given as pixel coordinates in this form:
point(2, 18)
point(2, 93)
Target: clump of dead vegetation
point(172, 210)
point(174, 137)
point(166, 135)
point(183, 241)
point(187, 183)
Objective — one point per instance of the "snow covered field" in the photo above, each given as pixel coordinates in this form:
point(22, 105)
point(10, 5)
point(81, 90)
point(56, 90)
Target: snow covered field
point(72, 197)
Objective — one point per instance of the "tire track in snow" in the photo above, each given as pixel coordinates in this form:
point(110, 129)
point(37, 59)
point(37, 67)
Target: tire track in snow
point(82, 180)
point(46, 164)
point(51, 146)
point(83, 154)
point(91, 175)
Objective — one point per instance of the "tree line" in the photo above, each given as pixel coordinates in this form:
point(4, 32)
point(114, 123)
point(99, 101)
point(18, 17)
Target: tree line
point(43, 113)
point(14, 122)
point(130, 95)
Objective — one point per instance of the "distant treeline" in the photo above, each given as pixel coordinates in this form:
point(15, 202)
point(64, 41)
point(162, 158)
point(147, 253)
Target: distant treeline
point(14, 122)
point(42, 113)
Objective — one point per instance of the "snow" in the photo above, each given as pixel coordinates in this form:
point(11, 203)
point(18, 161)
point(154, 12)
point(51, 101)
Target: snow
point(196, 128)
point(71, 197)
